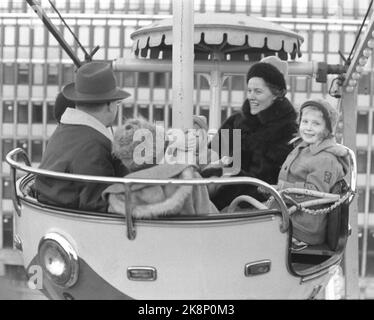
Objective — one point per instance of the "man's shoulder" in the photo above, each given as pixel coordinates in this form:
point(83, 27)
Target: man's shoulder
point(81, 132)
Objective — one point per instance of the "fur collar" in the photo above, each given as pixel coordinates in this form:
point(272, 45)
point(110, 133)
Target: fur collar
point(279, 109)
point(78, 117)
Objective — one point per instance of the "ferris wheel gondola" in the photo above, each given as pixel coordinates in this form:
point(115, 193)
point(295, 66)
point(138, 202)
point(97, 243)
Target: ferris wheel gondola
point(240, 254)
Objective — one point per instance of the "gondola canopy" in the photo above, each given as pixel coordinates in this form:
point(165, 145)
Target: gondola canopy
point(227, 36)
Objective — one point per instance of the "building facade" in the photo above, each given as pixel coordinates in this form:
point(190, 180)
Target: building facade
point(34, 68)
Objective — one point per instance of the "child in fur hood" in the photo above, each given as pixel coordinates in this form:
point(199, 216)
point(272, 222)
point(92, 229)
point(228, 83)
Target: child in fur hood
point(149, 201)
point(317, 163)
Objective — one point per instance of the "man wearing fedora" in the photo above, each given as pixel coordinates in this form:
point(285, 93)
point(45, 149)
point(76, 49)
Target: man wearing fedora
point(81, 143)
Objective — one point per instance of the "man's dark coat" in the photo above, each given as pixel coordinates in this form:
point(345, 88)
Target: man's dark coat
point(77, 149)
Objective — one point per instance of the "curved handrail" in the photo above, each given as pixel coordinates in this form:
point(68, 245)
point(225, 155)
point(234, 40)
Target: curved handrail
point(15, 200)
point(353, 173)
point(128, 182)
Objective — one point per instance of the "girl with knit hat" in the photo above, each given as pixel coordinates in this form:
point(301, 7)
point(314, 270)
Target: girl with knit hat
point(144, 159)
point(317, 163)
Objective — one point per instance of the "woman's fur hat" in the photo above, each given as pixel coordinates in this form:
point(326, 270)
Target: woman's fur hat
point(269, 73)
point(281, 65)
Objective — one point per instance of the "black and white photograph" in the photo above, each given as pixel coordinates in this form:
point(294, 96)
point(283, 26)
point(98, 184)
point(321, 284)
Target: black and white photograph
point(188, 154)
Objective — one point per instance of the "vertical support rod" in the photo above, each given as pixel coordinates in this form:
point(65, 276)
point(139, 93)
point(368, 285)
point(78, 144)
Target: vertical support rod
point(349, 103)
point(183, 58)
point(215, 97)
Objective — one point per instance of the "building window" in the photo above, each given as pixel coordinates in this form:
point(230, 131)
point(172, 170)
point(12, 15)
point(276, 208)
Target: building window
point(224, 5)
point(348, 8)
point(318, 41)
point(7, 192)
point(371, 201)
point(36, 150)
point(318, 7)
point(158, 113)
point(9, 36)
point(24, 36)
point(362, 122)
point(8, 112)
point(143, 80)
point(39, 36)
point(143, 111)
point(38, 74)
point(84, 35)
point(37, 112)
point(50, 112)
point(75, 6)
point(165, 6)
point(67, 74)
point(114, 37)
point(23, 73)
point(22, 112)
point(302, 7)
point(99, 37)
point(364, 84)
point(7, 147)
point(23, 144)
point(286, 6)
point(159, 80)
point(104, 6)
point(271, 7)
point(8, 74)
point(361, 161)
point(7, 231)
point(52, 77)
point(129, 79)
point(361, 200)
point(119, 5)
point(128, 111)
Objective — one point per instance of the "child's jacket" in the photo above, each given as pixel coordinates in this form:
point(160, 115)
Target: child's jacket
point(316, 167)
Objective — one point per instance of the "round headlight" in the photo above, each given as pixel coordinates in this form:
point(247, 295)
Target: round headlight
point(58, 259)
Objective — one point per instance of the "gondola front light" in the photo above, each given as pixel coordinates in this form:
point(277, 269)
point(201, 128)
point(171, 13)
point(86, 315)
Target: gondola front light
point(59, 260)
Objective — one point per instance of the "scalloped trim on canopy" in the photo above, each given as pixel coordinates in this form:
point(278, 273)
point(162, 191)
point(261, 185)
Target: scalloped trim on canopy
point(227, 34)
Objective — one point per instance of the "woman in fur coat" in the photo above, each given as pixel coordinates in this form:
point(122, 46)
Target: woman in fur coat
point(267, 122)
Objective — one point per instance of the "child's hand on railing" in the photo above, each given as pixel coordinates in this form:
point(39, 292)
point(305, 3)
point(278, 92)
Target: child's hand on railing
point(263, 190)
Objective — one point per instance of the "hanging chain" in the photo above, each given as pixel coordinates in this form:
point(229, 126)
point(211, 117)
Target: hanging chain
point(315, 212)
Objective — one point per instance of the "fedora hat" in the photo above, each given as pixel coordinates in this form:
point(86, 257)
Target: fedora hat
point(94, 83)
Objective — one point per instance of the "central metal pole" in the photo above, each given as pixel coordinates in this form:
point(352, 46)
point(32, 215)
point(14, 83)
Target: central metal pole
point(349, 100)
point(183, 58)
point(215, 96)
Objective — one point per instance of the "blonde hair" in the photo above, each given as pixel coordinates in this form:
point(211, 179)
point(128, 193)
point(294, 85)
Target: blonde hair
point(124, 143)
